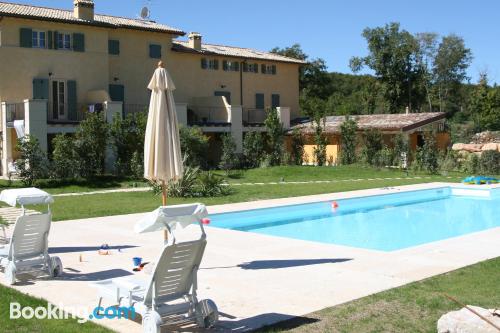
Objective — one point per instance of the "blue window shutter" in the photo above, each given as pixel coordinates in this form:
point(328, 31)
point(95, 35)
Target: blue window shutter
point(26, 37)
point(78, 42)
point(275, 101)
point(155, 51)
point(56, 34)
point(259, 101)
point(256, 68)
point(50, 40)
point(245, 67)
point(273, 70)
point(216, 64)
point(114, 47)
point(263, 69)
point(72, 103)
point(40, 89)
point(204, 64)
point(224, 65)
point(236, 66)
point(117, 92)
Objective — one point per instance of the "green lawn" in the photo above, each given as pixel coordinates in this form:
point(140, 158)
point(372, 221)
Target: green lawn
point(415, 307)
point(75, 207)
point(8, 295)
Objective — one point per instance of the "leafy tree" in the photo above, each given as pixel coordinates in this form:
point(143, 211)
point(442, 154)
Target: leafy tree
point(450, 65)
point(65, 161)
point(253, 149)
point(426, 54)
point(194, 146)
point(489, 162)
point(313, 76)
point(297, 147)
point(91, 140)
point(401, 150)
point(348, 130)
point(373, 144)
point(229, 159)
point(485, 106)
point(426, 157)
point(32, 162)
point(393, 58)
point(275, 137)
point(127, 136)
point(320, 142)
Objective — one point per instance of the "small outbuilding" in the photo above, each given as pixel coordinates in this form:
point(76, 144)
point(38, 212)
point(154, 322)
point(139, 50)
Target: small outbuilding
point(413, 125)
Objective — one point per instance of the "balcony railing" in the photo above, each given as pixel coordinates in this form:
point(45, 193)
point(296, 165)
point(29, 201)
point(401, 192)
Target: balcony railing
point(82, 111)
point(254, 117)
point(134, 108)
point(208, 116)
point(15, 111)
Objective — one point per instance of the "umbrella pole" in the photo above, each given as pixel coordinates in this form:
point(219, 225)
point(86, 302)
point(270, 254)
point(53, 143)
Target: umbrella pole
point(164, 203)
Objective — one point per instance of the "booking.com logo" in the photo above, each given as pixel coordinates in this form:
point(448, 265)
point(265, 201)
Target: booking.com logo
point(81, 315)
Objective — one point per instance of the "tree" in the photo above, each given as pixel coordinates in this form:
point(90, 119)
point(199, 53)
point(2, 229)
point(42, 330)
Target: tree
point(450, 65)
point(91, 140)
point(320, 142)
point(65, 162)
point(313, 76)
point(194, 146)
point(229, 160)
point(32, 162)
point(393, 58)
point(373, 144)
point(426, 54)
point(253, 149)
point(484, 106)
point(297, 145)
point(275, 137)
point(348, 130)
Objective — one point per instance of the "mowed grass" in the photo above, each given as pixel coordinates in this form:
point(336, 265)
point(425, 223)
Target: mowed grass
point(7, 325)
point(415, 307)
point(96, 205)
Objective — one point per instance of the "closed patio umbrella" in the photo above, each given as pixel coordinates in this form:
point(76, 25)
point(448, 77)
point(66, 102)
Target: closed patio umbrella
point(162, 152)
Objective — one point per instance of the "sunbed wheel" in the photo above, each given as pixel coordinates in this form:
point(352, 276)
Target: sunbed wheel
point(56, 267)
point(208, 310)
point(151, 322)
point(10, 274)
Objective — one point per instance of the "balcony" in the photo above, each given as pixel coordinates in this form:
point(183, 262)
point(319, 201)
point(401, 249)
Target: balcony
point(82, 111)
point(208, 116)
point(14, 111)
point(253, 117)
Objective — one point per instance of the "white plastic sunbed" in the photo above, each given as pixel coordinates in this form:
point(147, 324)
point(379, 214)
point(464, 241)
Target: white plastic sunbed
point(27, 250)
point(169, 297)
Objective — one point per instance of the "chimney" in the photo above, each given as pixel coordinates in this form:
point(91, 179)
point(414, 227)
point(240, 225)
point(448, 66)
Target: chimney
point(84, 10)
point(195, 40)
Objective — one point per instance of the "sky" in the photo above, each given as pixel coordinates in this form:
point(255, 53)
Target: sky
point(328, 29)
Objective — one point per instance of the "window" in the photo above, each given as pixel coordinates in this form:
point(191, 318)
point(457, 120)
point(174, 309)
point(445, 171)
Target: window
point(268, 69)
point(210, 64)
point(275, 101)
point(114, 47)
point(252, 68)
point(259, 101)
point(232, 66)
point(155, 51)
point(63, 41)
point(58, 99)
point(39, 39)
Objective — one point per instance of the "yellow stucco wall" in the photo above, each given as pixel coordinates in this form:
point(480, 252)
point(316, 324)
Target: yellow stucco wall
point(95, 69)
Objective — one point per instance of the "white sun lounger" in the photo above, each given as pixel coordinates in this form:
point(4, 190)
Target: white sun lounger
point(170, 295)
point(27, 250)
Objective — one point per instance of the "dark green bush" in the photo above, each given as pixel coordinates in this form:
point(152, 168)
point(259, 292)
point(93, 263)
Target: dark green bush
point(348, 141)
point(194, 146)
point(275, 137)
point(65, 161)
point(90, 145)
point(297, 147)
point(32, 163)
point(229, 159)
point(489, 162)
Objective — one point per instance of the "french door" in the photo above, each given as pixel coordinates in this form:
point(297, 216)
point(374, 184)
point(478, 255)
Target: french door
point(59, 100)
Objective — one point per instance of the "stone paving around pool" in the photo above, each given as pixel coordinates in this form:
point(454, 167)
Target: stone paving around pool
point(254, 279)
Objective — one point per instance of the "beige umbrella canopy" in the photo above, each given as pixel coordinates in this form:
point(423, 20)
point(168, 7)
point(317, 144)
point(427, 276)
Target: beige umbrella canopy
point(162, 152)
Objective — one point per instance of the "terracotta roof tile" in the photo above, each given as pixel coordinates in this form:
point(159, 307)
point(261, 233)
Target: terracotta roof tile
point(232, 51)
point(382, 122)
point(66, 16)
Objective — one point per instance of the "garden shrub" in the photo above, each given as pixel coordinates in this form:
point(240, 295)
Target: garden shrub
point(384, 157)
point(253, 149)
point(471, 164)
point(426, 157)
point(65, 162)
point(401, 149)
point(127, 136)
point(275, 137)
point(348, 141)
point(489, 162)
point(32, 163)
point(194, 146)
point(137, 165)
point(448, 161)
point(184, 186)
point(320, 145)
point(297, 147)
point(91, 140)
point(229, 159)
point(212, 185)
point(373, 143)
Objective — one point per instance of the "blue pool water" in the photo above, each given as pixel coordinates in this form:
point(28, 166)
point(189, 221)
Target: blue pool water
point(384, 222)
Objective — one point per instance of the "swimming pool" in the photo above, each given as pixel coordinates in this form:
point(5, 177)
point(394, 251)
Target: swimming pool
point(383, 222)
